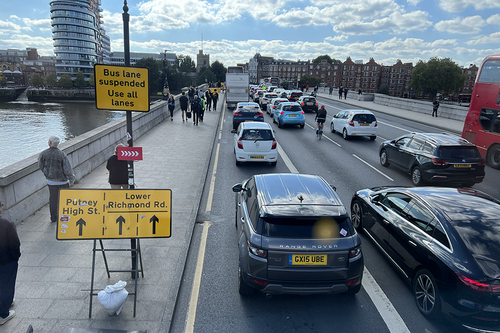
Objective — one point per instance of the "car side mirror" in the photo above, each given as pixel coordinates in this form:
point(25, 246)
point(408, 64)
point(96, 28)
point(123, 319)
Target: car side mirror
point(333, 187)
point(375, 200)
point(233, 131)
point(237, 188)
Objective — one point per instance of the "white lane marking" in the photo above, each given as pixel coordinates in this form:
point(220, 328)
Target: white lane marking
point(383, 174)
point(287, 161)
point(399, 128)
point(195, 290)
point(324, 136)
point(389, 314)
point(212, 181)
point(384, 306)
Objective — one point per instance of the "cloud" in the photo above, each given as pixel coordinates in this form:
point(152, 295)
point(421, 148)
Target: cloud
point(414, 2)
point(456, 6)
point(339, 38)
point(396, 22)
point(468, 25)
point(493, 19)
point(492, 38)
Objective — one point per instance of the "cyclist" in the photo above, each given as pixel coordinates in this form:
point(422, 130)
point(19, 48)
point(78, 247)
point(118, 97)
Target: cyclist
point(320, 118)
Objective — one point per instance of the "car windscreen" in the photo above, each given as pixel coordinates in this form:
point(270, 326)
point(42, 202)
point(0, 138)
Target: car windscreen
point(292, 108)
point(458, 152)
point(364, 118)
point(249, 109)
point(310, 228)
point(309, 100)
point(296, 94)
point(257, 134)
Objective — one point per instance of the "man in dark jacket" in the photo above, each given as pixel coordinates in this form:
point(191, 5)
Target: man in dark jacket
point(57, 170)
point(118, 171)
point(196, 108)
point(183, 101)
point(215, 98)
point(9, 257)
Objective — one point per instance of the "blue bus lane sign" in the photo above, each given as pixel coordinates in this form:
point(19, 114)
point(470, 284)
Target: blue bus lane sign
point(111, 214)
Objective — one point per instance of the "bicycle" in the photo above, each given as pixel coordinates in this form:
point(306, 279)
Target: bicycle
point(319, 129)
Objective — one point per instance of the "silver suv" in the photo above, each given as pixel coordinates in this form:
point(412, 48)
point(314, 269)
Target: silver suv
point(295, 237)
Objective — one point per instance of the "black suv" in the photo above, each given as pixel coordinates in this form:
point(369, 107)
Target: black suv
point(435, 158)
point(295, 237)
point(308, 103)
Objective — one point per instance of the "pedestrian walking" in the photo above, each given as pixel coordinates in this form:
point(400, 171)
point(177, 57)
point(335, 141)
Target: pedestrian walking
point(191, 92)
point(56, 168)
point(360, 92)
point(171, 106)
point(10, 251)
point(340, 92)
point(435, 106)
point(215, 98)
point(331, 90)
point(195, 109)
point(118, 171)
point(208, 100)
point(202, 108)
point(345, 93)
point(307, 88)
point(183, 101)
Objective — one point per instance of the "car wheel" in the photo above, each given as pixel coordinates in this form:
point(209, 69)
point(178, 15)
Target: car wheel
point(238, 162)
point(344, 134)
point(274, 120)
point(274, 163)
point(243, 288)
point(354, 290)
point(493, 157)
point(357, 216)
point(416, 176)
point(332, 128)
point(302, 125)
point(280, 125)
point(383, 158)
point(373, 137)
point(426, 294)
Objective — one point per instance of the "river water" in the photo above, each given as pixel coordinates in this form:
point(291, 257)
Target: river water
point(25, 126)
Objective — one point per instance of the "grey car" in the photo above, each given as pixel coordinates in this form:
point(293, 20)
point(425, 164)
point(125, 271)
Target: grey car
point(295, 237)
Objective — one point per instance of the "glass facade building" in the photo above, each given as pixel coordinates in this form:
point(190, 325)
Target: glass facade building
point(78, 36)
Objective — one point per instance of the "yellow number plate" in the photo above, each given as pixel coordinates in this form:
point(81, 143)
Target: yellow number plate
point(364, 124)
point(307, 259)
point(258, 157)
point(292, 115)
point(461, 165)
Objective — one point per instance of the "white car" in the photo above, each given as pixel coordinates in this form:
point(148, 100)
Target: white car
point(355, 123)
point(274, 104)
point(255, 142)
point(266, 98)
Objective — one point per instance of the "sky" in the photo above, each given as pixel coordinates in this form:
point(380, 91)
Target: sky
point(233, 31)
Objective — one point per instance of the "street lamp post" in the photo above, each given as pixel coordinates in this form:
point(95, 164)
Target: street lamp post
point(166, 89)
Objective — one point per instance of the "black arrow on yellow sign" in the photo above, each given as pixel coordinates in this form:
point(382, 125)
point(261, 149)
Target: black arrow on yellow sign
point(120, 220)
point(80, 223)
point(154, 220)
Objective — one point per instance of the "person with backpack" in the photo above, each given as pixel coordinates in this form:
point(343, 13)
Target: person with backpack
point(183, 101)
point(215, 97)
point(208, 99)
point(202, 108)
point(195, 108)
point(435, 106)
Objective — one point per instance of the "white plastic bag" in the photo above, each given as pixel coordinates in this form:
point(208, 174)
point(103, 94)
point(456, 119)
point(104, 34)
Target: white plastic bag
point(113, 298)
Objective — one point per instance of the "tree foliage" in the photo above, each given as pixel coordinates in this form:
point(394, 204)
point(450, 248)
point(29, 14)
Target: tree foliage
point(37, 80)
point(219, 70)
point(3, 79)
point(92, 80)
point(156, 74)
point(327, 58)
point(205, 75)
point(309, 80)
point(437, 75)
point(186, 64)
point(65, 81)
point(384, 89)
point(80, 80)
point(51, 80)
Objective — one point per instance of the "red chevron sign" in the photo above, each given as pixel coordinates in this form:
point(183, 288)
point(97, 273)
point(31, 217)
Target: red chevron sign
point(129, 153)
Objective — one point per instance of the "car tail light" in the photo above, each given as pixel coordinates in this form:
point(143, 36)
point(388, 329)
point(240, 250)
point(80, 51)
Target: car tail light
point(275, 144)
point(260, 114)
point(237, 114)
point(262, 283)
point(256, 251)
point(376, 124)
point(349, 283)
point(302, 112)
point(435, 161)
point(355, 252)
point(316, 103)
point(240, 143)
point(483, 162)
point(477, 285)
point(302, 103)
point(281, 112)
point(351, 123)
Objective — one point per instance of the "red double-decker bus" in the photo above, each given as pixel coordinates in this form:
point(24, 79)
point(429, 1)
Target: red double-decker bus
point(482, 124)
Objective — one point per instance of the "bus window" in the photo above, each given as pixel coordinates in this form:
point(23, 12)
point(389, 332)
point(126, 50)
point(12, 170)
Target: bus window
point(490, 72)
point(486, 118)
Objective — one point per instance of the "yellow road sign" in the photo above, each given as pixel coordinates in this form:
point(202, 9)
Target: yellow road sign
point(105, 214)
point(121, 88)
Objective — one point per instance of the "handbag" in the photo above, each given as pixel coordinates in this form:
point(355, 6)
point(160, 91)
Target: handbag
point(188, 114)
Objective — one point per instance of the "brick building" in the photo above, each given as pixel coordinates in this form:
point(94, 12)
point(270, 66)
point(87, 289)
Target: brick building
point(397, 77)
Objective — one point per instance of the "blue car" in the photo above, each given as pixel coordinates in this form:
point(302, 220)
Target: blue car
point(289, 113)
point(247, 111)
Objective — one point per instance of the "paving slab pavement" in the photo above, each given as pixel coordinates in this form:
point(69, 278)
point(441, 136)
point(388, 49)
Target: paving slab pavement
point(54, 277)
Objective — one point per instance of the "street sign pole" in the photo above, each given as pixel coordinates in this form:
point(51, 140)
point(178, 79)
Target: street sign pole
point(126, 46)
